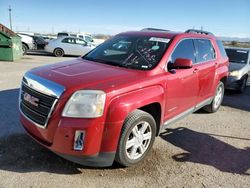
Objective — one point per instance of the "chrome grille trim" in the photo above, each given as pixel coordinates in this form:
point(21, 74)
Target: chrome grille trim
point(45, 87)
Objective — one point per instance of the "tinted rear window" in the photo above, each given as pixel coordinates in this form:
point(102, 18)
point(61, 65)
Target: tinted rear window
point(237, 56)
point(221, 48)
point(205, 50)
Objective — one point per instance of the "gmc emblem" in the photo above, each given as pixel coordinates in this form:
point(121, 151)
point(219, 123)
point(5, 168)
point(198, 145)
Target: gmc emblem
point(30, 99)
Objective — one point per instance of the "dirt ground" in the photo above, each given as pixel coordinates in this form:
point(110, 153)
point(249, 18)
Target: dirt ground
point(202, 150)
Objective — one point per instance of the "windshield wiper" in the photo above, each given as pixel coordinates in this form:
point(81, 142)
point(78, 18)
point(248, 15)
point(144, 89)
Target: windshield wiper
point(104, 62)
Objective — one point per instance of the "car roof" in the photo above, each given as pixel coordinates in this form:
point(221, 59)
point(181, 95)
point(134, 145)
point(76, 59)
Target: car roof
point(168, 34)
point(152, 33)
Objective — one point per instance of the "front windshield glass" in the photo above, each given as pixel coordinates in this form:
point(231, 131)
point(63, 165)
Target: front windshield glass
point(130, 51)
point(237, 56)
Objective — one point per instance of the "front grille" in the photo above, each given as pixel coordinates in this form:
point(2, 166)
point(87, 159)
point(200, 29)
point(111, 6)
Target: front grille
point(36, 106)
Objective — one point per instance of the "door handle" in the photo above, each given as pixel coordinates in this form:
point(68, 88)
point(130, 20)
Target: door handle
point(195, 70)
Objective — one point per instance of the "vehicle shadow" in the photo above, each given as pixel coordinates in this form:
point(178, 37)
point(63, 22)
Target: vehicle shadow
point(204, 149)
point(44, 53)
point(19, 153)
point(236, 100)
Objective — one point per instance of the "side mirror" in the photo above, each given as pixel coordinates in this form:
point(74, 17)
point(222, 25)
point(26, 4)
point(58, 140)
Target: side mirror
point(181, 63)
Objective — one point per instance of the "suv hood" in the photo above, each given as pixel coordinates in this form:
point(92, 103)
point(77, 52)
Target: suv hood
point(235, 66)
point(79, 74)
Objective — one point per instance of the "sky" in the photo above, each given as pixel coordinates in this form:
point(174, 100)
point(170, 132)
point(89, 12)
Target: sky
point(228, 18)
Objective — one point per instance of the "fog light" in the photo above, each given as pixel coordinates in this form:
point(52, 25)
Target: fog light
point(79, 138)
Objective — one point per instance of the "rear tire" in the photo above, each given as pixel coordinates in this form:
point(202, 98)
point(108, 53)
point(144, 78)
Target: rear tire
point(24, 48)
point(137, 138)
point(217, 100)
point(58, 52)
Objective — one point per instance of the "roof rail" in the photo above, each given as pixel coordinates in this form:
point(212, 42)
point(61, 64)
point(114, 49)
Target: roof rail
point(153, 29)
point(198, 31)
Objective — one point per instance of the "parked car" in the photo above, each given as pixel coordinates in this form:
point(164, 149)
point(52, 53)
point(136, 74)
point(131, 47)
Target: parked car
point(85, 36)
point(111, 103)
point(239, 68)
point(28, 42)
point(68, 46)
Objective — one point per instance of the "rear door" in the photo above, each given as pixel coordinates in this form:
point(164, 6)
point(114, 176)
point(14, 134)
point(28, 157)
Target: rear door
point(182, 86)
point(68, 45)
point(205, 67)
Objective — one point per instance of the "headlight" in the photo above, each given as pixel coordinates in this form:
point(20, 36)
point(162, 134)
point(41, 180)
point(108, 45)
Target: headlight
point(85, 104)
point(234, 73)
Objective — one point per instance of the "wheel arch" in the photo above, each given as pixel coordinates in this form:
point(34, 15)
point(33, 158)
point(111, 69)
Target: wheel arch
point(121, 106)
point(153, 98)
point(26, 45)
point(154, 109)
point(58, 48)
point(224, 80)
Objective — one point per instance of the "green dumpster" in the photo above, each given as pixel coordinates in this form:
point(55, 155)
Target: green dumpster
point(10, 45)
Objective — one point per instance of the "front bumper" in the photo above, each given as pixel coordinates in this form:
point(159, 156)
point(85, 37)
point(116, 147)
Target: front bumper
point(58, 133)
point(100, 160)
point(100, 141)
point(233, 83)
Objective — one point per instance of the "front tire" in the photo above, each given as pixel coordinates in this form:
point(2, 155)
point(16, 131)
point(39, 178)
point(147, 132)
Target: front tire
point(137, 138)
point(217, 100)
point(58, 52)
point(243, 85)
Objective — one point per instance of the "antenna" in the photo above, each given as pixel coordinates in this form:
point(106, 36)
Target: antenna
point(10, 16)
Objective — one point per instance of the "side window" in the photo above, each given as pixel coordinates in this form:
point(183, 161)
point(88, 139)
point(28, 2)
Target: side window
point(185, 49)
point(69, 40)
point(65, 40)
point(205, 50)
point(221, 48)
point(81, 42)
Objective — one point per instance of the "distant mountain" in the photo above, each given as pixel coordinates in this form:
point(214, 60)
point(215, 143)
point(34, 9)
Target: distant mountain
point(229, 39)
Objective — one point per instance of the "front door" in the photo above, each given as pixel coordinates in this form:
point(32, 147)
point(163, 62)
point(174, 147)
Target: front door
point(82, 47)
point(182, 86)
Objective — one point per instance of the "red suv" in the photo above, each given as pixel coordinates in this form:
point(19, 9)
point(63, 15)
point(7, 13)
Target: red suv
point(111, 103)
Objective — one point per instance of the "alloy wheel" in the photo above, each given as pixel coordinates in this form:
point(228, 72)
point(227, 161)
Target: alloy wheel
point(138, 140)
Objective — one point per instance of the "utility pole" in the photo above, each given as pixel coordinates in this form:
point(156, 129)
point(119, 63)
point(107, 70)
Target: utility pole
point(10, 16)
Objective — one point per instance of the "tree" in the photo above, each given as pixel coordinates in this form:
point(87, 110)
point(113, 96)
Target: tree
point(234, 43)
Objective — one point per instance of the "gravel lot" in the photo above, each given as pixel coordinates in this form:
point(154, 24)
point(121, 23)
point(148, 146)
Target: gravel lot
point(202, 150)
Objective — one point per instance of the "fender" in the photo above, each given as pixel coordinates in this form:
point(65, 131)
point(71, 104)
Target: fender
point(121, 106)
point(221, 72)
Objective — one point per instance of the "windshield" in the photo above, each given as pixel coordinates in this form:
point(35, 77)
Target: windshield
point(237, 56)
point(130, 51)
